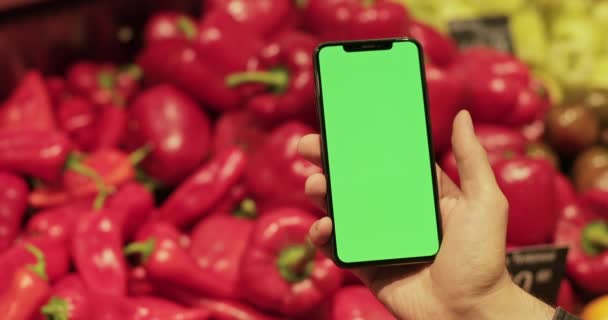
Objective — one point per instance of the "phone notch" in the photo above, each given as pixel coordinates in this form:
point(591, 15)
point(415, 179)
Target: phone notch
point(368, 46)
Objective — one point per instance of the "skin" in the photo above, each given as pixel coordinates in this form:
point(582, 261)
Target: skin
point(468, 279)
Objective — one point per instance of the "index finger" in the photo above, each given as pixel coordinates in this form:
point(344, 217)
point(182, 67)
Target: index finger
point(310, 148)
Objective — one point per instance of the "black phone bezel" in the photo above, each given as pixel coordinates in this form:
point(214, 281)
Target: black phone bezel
point(364, 45)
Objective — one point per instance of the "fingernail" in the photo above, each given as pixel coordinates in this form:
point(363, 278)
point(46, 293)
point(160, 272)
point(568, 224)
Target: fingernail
point(468, 122)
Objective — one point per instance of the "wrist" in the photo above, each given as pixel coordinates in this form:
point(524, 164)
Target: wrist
point(511, 302)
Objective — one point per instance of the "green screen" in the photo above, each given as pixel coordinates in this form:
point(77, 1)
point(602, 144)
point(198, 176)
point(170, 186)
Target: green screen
point(378, 153)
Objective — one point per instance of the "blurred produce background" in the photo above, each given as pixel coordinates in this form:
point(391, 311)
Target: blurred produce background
point(148, 148)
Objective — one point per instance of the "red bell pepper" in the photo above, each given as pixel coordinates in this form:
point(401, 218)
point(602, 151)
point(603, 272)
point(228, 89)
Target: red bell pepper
point(175, 128)
point(496, 140)
point(97, 253)
point(439, 49)
point(281, 271)
point(76, 117)
point(179, 63)
point(358, 19)
point(530, 222)
point(139, 284)
point(26, 291)
point(585, 232)
point(157, 308)
point(57, 88)
point(13, 202)
point(289, 79)
point(503, 90)
point(104, 83)
point(223, 309)
point(29, 107)
point(69, 300)
point(265, 17)
point(57, 223)
point(40, 154)
point(240, 129)
point(218, 252)
point(597, 200)
point(564, 191)
point(205, 188)
point(169, 25)
point(130, 206)
point(110, 127)
point(56, 256)
point(168, 264)
point(566, 297)
point(445, 94)
point(277, 173)
point(357, 303)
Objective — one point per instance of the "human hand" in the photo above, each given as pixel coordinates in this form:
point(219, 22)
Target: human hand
point(468, 279)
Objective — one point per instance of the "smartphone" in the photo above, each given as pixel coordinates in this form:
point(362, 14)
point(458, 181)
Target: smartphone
point(377, 152)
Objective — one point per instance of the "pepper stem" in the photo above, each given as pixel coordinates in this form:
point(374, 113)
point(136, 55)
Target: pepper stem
point(106, 80)
point(368, 3)
point(295, 263)
point(277, 79)
point(55, 309)
point(137, 156)
point(144, 248)
point(186, 27)
point(595, 237)
point(301, 4)
point(246, 209)
point(133, 70)
point(39, 268)
point(74, 163)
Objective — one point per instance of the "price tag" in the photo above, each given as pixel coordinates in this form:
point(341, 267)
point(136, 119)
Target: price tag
point(485, 31)
point(539, 270)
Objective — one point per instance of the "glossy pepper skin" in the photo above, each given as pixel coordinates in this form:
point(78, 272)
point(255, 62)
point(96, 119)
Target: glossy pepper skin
point(26, 291)
point(129, 206)
point(56, 255)
point(530, 222)
point(356, 303)
point(438, 48)
point(56, 223)
point(585, 232)
point(498, 141)
point(167, 262)
point(169, 25)
point(218, 252)
point(29, 107)
point(40, 154)
point(13, 202)
point(157, 308)
point(198, 194)
point(176, 129)
point(445, 96)
point(223, 309)
point(265, 17)
point(239, 129)
point(276, 173)
point(69, 299)
point(111, 127)
point(289, 79)
point(97, 253)
point(281, 271)
point(360, 19)
point(76, 117)
point(179, 63)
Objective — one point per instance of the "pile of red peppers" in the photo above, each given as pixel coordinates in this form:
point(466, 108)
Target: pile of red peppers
point(171, 187)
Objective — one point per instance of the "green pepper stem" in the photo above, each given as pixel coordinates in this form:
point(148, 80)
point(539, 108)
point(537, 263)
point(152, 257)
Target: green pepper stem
point(276, 79)
point(106, 80)
point(301, 4)
point(295, 263)
point(246, 209)
point(144, 248)
point(595, 237)
point(39, 268)
point(186, 27)
point(56, 309)
point(368, 3)
point(137, 156)
point(74, 163)
point(133, 70)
